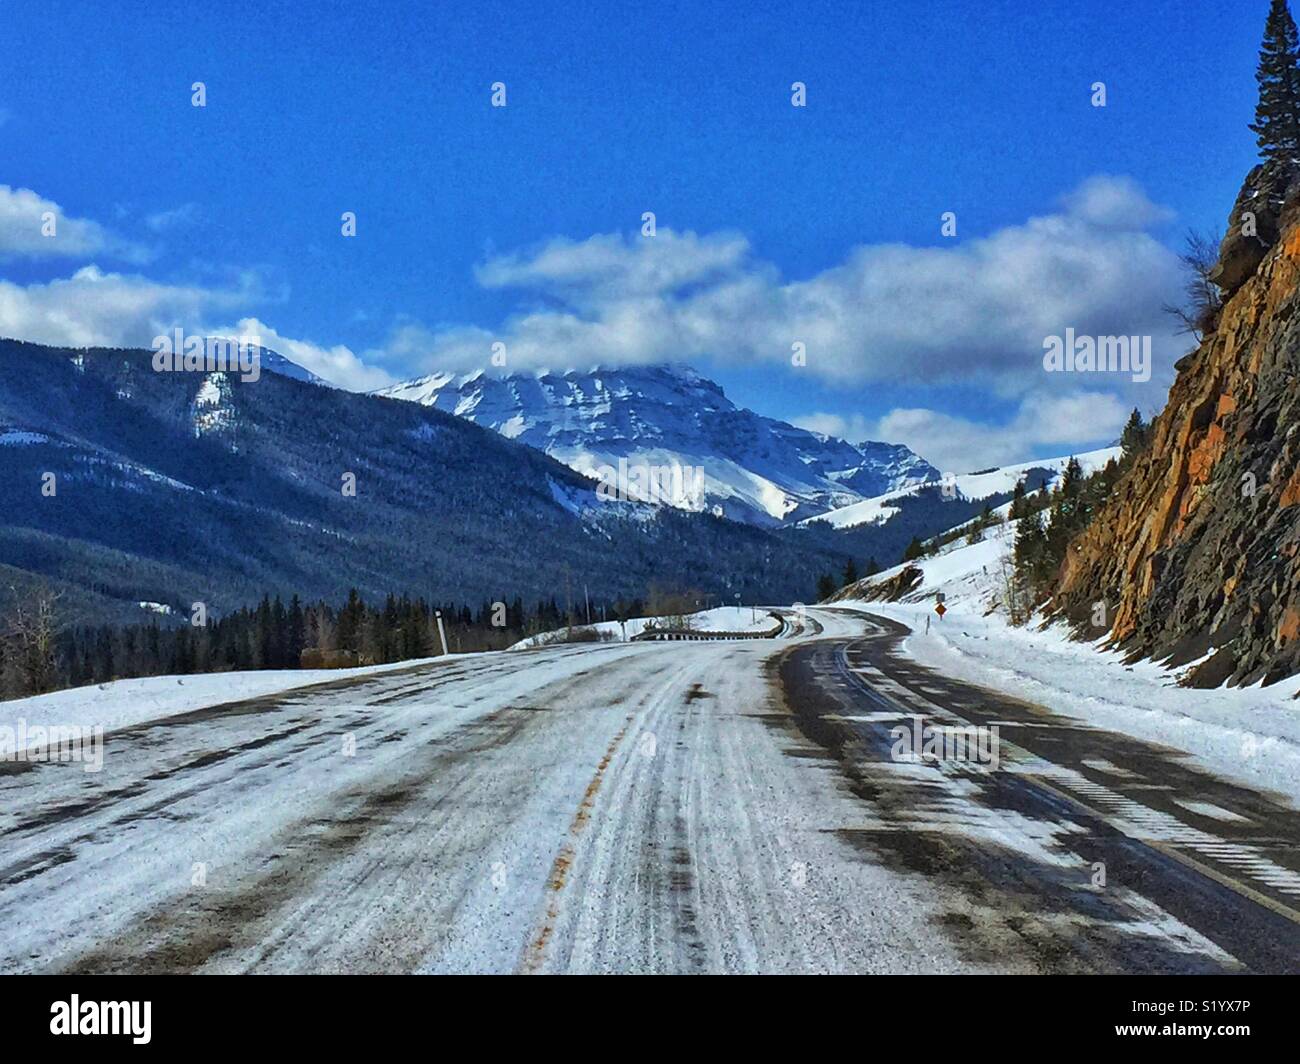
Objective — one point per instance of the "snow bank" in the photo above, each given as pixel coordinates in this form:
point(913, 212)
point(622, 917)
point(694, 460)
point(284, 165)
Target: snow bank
point(123, 703)
point(1251, 735)
point(721, 619)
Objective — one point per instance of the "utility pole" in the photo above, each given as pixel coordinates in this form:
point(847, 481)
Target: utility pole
point(587, 599)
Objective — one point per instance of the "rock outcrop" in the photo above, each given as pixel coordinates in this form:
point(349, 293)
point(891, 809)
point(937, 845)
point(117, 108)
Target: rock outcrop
point(1252, 226)
point(1197, 553)
point(873, 589)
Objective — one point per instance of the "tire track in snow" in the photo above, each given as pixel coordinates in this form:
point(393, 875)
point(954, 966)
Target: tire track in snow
point(536, 952)
point(112, 858)
point(436, 848)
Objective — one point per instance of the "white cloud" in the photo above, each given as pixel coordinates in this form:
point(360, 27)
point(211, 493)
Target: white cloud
point(94, 308)
point(853, 427)
point(1113, 202)
point(975, 311)
point(1045, 426)
point(23, 223)
point(971, 313)
point(607, 267)
point(338, 364)
point(178, 217)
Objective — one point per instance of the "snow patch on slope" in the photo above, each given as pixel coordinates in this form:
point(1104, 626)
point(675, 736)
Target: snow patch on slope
point(971, 486)
point(210, 411)
point(20, 438)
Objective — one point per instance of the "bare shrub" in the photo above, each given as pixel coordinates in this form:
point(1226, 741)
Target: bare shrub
point(27, 642)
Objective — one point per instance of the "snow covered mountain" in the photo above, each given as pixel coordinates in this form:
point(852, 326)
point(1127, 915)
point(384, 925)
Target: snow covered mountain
point(750, 467)
point(177, 487)
point(275, 362)
point(988, 485)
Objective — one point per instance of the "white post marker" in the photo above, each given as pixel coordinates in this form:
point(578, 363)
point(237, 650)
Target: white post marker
point(442, 632)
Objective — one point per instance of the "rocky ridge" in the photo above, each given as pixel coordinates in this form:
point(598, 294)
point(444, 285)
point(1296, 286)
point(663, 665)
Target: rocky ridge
point(1197, 553)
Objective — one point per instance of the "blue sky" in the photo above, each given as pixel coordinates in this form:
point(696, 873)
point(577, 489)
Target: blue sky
point(775, 224)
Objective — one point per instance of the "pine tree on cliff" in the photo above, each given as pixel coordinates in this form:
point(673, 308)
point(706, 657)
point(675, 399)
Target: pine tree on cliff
point(1134, 439)
point(1032, 555)
point(1070, 478)
point(1277, 116)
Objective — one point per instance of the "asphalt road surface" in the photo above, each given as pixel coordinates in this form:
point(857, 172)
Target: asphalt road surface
point(651, 807)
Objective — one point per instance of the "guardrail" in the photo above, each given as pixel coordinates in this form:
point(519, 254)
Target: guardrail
point(689, 635)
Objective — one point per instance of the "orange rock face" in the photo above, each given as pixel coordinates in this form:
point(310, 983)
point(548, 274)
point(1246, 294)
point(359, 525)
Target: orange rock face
point(1291, 493)
point(1289, 630)
point(1197, 548)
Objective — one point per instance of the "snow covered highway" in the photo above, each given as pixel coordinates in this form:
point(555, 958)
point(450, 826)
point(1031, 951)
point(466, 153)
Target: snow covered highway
point(608, 807)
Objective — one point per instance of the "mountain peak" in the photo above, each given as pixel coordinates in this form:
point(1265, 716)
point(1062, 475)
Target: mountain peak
point(754, 468)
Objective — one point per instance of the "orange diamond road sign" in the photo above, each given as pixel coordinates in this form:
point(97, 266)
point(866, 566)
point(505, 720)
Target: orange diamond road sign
point(941, 609)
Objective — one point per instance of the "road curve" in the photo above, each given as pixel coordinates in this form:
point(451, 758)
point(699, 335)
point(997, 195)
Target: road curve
point(643, 807)
point(656, 807)
point(1078, 847)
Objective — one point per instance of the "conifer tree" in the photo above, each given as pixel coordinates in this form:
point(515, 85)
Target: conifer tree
point(1033, 562)
point(1071, 477)
point(825, 587)
point(1018, 507)
point(1277, 115)
point(1134, 437)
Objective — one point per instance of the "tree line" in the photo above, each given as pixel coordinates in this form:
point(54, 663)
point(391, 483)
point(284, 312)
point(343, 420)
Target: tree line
point(1048, 521)
point(39, 654)
point(827, 584)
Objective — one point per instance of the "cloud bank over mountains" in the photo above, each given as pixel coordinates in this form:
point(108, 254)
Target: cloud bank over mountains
point(1043, 425)
point(976, 309)
point(971, 313)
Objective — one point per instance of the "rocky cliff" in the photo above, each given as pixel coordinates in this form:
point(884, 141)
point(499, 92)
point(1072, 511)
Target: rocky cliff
point(1197, 553)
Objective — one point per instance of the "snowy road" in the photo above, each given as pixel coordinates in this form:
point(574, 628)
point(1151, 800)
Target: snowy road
point(1085, 851)
point(652, 807)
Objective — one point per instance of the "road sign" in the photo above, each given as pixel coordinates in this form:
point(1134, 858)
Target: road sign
point(939, 596)
point(941, 609)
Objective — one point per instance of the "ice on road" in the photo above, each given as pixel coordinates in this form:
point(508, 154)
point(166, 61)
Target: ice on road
point(626, 807)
